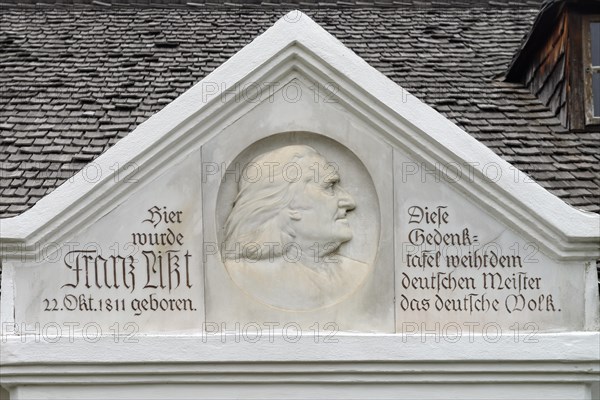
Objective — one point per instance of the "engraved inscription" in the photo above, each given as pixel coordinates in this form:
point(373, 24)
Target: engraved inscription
point(449, 270)
point(136, 282)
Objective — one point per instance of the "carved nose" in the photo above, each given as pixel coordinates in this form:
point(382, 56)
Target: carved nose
point(346, 201)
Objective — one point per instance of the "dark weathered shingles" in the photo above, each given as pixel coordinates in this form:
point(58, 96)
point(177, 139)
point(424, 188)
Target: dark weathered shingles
point(271, 3)
point(76, 81)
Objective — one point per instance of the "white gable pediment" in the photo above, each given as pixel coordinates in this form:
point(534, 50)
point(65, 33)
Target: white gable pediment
point(441, 228)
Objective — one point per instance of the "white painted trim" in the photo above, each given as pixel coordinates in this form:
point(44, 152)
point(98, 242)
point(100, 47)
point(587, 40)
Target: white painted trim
point(564, 357)
point(568, 233)
point(340, 347)
point(7, 306)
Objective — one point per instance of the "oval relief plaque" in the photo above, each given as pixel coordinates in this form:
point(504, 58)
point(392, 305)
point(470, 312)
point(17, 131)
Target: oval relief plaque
point(299, 226)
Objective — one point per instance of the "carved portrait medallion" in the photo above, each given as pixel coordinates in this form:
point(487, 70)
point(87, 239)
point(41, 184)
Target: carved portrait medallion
point(282, 238)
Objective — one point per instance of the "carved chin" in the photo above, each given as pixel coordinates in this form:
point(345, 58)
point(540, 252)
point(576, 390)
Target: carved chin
point(345, 235)
point(340, 237)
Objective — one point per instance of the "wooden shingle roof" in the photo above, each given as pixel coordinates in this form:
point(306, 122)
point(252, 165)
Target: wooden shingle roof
point(77, 79)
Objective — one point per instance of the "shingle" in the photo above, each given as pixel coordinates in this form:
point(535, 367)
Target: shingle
point(76, 85)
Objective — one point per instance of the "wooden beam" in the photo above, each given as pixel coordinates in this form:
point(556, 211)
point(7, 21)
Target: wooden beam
point(574, 71)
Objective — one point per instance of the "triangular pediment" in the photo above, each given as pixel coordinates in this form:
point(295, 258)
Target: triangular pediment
point(403, 166)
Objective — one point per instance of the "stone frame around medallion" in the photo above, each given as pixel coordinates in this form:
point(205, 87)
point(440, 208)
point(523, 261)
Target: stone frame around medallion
point(364, 220)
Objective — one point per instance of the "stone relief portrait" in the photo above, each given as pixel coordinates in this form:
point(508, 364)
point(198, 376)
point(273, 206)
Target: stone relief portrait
point(283, 235)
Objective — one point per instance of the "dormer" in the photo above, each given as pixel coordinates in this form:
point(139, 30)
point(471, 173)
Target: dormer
point(559, 62)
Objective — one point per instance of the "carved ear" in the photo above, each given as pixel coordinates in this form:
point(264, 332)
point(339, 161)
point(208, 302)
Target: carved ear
point(295, 215)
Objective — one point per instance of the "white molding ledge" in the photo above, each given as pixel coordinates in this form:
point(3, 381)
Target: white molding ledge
point(555, 366)
point(558, 358)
